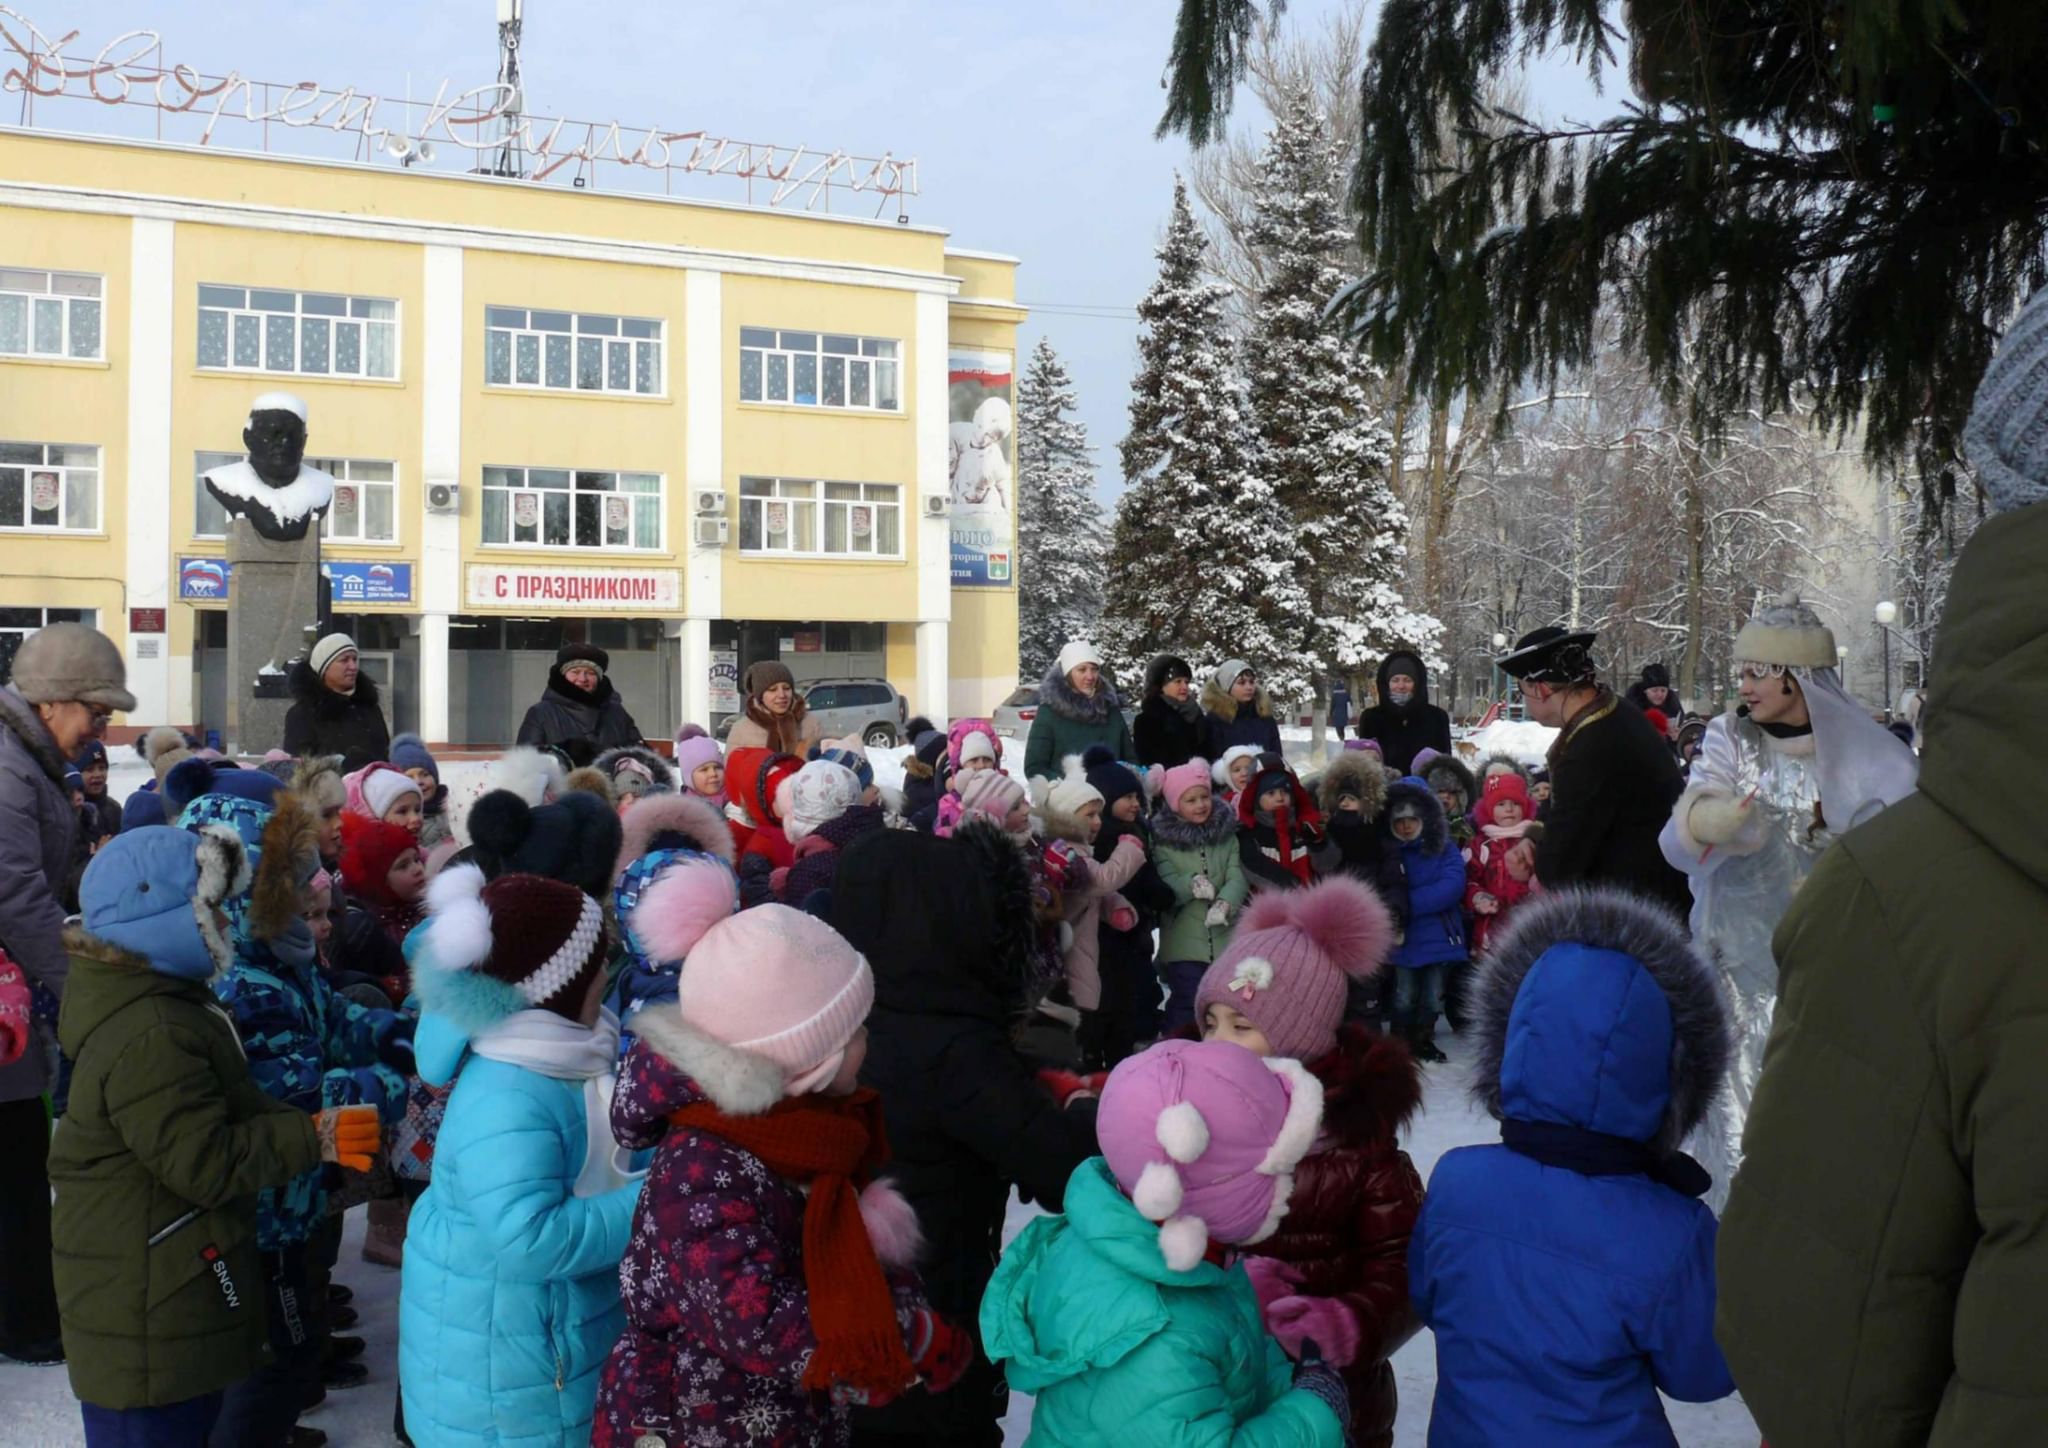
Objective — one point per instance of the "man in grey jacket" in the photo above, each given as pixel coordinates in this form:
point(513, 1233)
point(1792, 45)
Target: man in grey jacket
point(67, 679)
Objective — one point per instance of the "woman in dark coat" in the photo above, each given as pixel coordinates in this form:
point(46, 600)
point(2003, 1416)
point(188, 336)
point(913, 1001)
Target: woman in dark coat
point(1653, 691)
point(1404, 722)
point(1168, 729)
point(579, 712)
point(337, 710)
point(946, 925)
point(1236, 710)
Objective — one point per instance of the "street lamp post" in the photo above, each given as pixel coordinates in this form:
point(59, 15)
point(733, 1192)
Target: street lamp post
point(1885, 613)
point(1500, 642)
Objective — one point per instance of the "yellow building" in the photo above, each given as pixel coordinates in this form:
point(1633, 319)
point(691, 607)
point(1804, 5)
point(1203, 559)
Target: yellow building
point(695, 433)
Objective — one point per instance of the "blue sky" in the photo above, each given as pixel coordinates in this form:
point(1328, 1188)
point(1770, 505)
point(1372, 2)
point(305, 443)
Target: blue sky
point(1032, 123)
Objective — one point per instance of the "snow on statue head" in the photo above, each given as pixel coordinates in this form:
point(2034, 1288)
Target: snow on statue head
point(274, 489)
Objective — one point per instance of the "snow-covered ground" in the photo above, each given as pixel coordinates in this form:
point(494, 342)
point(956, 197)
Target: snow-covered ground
point(42, 1414)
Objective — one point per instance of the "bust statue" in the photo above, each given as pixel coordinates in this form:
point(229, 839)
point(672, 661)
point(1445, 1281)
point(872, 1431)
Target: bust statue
point(274, 489)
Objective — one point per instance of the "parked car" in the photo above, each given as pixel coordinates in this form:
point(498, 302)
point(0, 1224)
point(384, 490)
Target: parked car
point(870, 708)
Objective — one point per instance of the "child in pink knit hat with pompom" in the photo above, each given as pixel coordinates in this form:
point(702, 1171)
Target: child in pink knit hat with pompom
point(1336, 1271)
point(1117, 1314)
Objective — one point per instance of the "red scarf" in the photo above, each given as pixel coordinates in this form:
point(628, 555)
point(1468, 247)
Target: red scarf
point(831, 1142)
point(1282, 826)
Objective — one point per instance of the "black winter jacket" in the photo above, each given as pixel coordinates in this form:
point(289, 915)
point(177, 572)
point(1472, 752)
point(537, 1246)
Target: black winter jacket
point(581, 725)
point(324, 722)
point(1167, 734)
point(1404, 731)
point(1613, 782)
point(946, 925)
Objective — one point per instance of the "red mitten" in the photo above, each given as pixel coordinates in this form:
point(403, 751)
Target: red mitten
point(939, 1351)
point(1063, 1084)
point(777, 878)
point(1123, 918)
point(1272, 1280)
point(811, 845)
point(1332, 1326)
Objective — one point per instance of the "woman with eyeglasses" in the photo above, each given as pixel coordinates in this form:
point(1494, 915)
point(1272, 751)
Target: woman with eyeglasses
point(68, 680)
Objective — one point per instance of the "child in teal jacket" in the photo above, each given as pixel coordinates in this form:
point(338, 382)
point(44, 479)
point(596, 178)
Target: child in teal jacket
point(1111, 1313)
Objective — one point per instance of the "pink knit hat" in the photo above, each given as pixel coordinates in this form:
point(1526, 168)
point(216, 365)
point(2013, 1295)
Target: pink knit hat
point(991, 793)
point(1203, 1137)
point(1286, 967)
point(769, 986)
point(1182, 778)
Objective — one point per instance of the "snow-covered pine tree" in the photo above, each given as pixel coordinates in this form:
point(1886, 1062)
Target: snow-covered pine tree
point(1060, 542)
point(1318, 438)
point(1201, 562)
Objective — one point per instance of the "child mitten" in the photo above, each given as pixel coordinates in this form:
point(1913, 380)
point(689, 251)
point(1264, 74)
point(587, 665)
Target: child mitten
point(1201, 888)
point(1272, 1280)
point(939, 1351)
point(348, 1135)
point(1219, 914)
point(1313, 1375)
point(1324, 1320)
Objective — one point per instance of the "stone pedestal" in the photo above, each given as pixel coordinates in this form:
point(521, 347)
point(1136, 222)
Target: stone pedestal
point(273, 614)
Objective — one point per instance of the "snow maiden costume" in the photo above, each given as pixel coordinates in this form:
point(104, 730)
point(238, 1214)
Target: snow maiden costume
point(1763, 803)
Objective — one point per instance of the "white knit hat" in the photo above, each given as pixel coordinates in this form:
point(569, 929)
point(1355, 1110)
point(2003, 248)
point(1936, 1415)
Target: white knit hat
point(1076, 653)
point(2007, 434)
point(820, 791)
point(1221, 773)
point(382, 788)
point(330, 648)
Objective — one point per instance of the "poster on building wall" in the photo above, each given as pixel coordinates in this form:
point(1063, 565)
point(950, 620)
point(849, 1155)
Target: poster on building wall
point(982, 494)
point(526, 510)
point(725, 681)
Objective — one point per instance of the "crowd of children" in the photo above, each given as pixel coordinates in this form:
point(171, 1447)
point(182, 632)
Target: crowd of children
point(690, 1090)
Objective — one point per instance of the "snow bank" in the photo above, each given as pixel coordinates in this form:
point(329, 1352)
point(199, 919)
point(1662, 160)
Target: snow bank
point(1523, 739)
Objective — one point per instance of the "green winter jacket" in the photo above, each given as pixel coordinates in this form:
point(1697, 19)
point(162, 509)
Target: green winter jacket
point(1069, 721)
point(1120, 1349)
point(1183, 851)
point(156, 1166)
point(1885, 1247)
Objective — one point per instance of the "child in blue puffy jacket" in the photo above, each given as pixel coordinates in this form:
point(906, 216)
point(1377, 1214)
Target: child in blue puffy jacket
point(1568, 1272)
point(1432, 912)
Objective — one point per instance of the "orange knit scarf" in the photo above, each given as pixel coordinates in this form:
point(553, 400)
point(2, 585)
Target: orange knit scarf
point(833, 1143)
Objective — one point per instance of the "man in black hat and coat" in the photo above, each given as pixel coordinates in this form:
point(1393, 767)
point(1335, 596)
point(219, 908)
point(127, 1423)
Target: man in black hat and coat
point(1613, 780)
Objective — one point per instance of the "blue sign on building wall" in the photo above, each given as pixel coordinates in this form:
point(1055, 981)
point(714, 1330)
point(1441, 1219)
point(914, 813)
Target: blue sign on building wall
point(206, 580)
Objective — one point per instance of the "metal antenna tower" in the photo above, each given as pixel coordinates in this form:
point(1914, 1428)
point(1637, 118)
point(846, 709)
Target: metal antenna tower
point(510, 157)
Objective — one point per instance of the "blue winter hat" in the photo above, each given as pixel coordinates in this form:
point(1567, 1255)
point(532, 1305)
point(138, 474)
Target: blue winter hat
point(93, 753)
point(153, 891)
point(409, 751)
point(245, 819)
point(851, 759)
point(193, 778)
point(1109, 778)
point(72, 781)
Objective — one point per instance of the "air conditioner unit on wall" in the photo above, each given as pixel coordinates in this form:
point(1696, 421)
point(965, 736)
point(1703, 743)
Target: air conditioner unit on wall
point(934, 506)
point(444, 498)
point(712, 532)
point(710, 501)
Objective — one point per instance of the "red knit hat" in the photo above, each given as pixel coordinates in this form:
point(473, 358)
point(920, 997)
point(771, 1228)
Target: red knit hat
point(369, 848)
point(543, 938)
point(1500, 787)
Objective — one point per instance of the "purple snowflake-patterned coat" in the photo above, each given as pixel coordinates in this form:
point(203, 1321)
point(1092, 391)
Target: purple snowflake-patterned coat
point(718, 1329)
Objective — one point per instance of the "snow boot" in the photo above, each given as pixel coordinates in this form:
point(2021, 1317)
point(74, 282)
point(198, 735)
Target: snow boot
point(1422, 1042)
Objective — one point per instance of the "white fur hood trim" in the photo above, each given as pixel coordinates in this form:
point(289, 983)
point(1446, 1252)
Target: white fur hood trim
point(737, 1082)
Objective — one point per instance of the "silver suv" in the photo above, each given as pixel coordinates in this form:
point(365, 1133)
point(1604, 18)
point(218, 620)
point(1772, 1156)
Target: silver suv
point(870, 708)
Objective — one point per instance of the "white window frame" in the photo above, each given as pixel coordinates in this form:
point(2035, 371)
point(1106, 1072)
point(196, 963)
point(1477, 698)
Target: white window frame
point(34, 290)
point(518, 327)
point(90, 617)
point(779, 354)
point(343, 470)
point(258, 317)
point(64, 472)
point(509, 480)
point(813, 497)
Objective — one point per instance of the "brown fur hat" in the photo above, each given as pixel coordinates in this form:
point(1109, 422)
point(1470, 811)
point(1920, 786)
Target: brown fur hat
point(289, 857)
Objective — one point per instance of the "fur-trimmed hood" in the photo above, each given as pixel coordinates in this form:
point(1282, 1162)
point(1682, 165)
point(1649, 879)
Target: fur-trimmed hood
point(668, 821)
point(1497, 757)
point(1173, 832)
point(1354, 771)
point(739, 1083)
point(653, 765)
point(1056, 694)
point(1216, 700)
point(320, 780)
point(1446, 770)
point(1372, 1086)
point(1436, 833)
point(286, 860)
point(1594, 1011)
point(324, 703)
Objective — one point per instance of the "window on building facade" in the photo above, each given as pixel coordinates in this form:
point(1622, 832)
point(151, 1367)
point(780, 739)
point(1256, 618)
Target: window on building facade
point(571, 508)
point(819, 369)
point(303, 334)
point(365, 498)
point(49, 487)
point(571, 351)
point(50, 314)
point(804, 515)
point(16, 624)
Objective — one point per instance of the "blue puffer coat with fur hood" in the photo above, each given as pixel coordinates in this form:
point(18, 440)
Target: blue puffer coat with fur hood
point(1568, 1272)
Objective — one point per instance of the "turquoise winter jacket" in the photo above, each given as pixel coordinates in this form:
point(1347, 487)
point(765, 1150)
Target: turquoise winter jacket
point(1120, 1349)
point(509, 1301)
